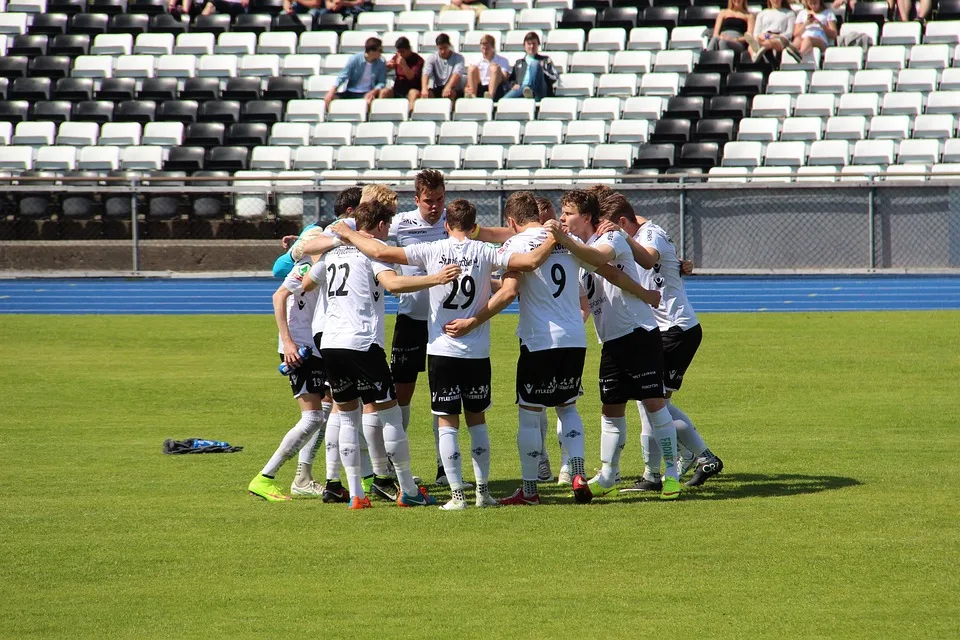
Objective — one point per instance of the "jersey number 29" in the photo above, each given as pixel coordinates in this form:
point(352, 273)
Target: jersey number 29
point(467, 287)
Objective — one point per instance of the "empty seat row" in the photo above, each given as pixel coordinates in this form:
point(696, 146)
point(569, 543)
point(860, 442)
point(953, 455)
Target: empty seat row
point(893, 127)
point(863, 104)
point(840, 153)
point(120, 89)
point(101, 111)
point(849, 173)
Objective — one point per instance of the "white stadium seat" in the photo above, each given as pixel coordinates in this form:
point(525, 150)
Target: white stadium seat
point(889, 128)
point(313, 158)
point(935, 126)
point(457, 132)
point(617, 84)
point(527, 156)
point(98, 159)
point(606, 39)
point(160, 134)
point(758, 129)
point(923, 80)
point(112, 44)
point(837, 81)
point(873, 80)
point(777, 173)
point(930, 56)
point(596, 62)
point(843, 58)
point(217, 66)
point(943, 102)
point(390, 110)
point(417, 133)
point(846, 128)
point(356, 157)
point(821, 105)
point(688, 38)
point(771, 106)
point(576, 84)
point(791, 82)
point(176, 66)
point(902, 172)
point(785, 154)
point(272, 158)
point(436, 109)
point(311, 111)
point(290, 134)
point(374, 133)
point(569, 40)
point(281, 43)
point(84, 134)
point(879, 152)
point(543, 132)
point(942, 32)
point(497, 20)
point(586, 132)
point(55, 159)
point(805, 129)
point(647, 39)
point(145, 158)
point(642, 108)
point(440, 156)
point(133, 67)
point(504, 132)
point(194, 44)
point(483, 157)
point(742, 154)
point(613, 156)
point(904, 33)
point(296, 64)
point(516, 109)
point(477, 109)
point(318, 43)
point(236, 43)
point(34, 133)
point(889, 57)
point(918, 152)
point(859, 104)
point(905, 103)
point(829, 153)
point(332, 133)
point(660, 84)
point(399, 157)
point(92, 67)
point(673, 61)
point(120, 134)
point(629, 131)
point(348, 111)
point(728, 174)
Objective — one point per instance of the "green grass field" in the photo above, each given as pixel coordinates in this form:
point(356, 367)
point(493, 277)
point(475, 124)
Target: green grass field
point(836, 516)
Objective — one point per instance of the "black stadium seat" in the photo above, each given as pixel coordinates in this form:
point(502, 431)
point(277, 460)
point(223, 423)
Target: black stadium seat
point(185, 159)
point(98, 111)
point(688, 107)
point(227, 158)
point(50, 66)
point(70, 7)
point(247, 134)
point(80, 206)
point(73, 44)
point(49, 24)
point(600, 5)
point(90, 24)
point(283, 88)
point(241, 89)
point(252, 23)
point(200, 89)
point(117, 205)
point(225, 111)
point(581, 18)
point(701, 84)
point(117, 89)
point(660, 17)
point(164, 206)
point(673, 3)
point(268, 111)
point(735, 107)
point(36, 204)
point(52, 110)
point(204, 134)
point(948, 10)
point(165, 23)
point(158, 89)
point(132, 24)
point(109, 7)
point(655, 156)
point(720, 130)
point(722, 62)
point(700, 16)
point(150, 7)
point(699, 154)
point(4, 85)
point(75, 89)
point(14, 110)
point(746, 83)
point(288, 22)
point(30, 45)
point(32, 89)
point(333, 22)
point(671, 131)
point(269, 7)
point(618, 18)
point(870, 12)
point(184, 111)
point(142, 111)
point(639, 4)
point(13, 66)
point(210, 206)
point(215, 24)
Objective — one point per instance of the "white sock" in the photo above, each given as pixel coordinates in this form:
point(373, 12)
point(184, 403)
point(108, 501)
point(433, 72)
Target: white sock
point(450, 454)
point(398, 448)
point(564, 454)
point(571, 437)
point(609, 449)
point(687, 433)
point(544, 457)
point(621, 423)
point(666, 435)
point(350, 450)
point(405, 414)
point(366, 468)
point(333, 447)
point(528, 444)
point(373, 434)
point(293, 440)
point(309, 451)
point(480, 453)
point(436, 439)
point(652, 457)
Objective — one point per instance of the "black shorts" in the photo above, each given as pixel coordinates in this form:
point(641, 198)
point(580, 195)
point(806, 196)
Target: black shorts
point(501, 90)
point(408, 355)
point(359, 374)
point(679, 347)
point(402, 87)
point(631, 367)
point(551, 377)
point(456, 382)
point(309, 377)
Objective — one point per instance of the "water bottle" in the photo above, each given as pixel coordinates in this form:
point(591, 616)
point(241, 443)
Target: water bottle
point(199, 444)
point(303, 352)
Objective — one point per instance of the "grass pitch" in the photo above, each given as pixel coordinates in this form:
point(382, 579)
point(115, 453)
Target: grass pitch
point(836, 515)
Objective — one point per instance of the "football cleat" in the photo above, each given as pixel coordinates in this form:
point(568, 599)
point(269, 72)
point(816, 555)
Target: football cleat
point(442, 481)
point(486, 500)
point(455, 505)
point(564, 479)
point(360, 503)
point(686, 464)
point(581, 490)
point(600, 491)
point(267, 488)
point(671, 489)
point(385, 487)
point(312, 489)
point(519, 499)
point(644, 486)
point(333, 491)
point(421, 499)
point(705, 470)
point(545, 473)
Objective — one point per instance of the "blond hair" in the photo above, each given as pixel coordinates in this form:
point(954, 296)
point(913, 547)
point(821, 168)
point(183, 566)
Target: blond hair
point(380, 194)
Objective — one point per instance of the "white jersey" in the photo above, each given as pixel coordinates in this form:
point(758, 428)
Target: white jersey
point(300, 306)
point(318, 275)
point(675, 309)
point(355, 300)
point(463, 297)
point(615, 313)
point(549, 296)
point(409, 228)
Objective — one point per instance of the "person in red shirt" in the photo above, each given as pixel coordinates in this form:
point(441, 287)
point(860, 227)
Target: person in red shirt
point(409, 68)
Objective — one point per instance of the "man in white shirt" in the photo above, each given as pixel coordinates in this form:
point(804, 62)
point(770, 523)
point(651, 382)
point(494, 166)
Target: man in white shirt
point(352, 347)
point(631, 361)
point(487, 78)
point(680, 332)
point(459, 367)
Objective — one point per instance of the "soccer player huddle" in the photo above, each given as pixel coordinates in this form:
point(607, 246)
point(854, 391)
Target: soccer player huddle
point(599, 259)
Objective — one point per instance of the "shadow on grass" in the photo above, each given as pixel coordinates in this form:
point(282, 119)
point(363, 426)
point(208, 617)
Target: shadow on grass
point(737, 486)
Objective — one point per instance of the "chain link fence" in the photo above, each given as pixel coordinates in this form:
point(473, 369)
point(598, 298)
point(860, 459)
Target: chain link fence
point(730, 227)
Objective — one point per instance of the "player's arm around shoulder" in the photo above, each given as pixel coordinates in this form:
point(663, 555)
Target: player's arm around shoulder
point(509, 288)
point(530, 260)
point(646, 256)
point(593, 256)
point(618, 278)
point(370, 247)
point(395, 283)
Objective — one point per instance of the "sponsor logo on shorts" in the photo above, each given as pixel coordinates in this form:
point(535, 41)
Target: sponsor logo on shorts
point(447, 394)
point(478, 393)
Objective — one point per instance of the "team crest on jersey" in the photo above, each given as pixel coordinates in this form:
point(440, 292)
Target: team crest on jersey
point(302, 270)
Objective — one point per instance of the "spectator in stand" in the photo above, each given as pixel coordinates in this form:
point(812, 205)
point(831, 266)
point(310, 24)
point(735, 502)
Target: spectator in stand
point(487, 78)
point(444, 73)
point(231, 7)
point(408, 67)
point(189, 8)
point(731, 27)
point(816, 27)
point(364, 76)
point(533, 76)
point(771, 25)
point(477, 6)
point(320, 7)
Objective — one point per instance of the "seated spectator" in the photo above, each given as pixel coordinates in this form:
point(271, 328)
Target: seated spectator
point(189, 8)
point(488, 78)
point(771, 25)
point(231, 7)
point(444, 73)
point(320, 7)
point(364, 76)
point(408, 67)
point(477, 6)
point(731, 27)
point(533, 76)
point(815, 27)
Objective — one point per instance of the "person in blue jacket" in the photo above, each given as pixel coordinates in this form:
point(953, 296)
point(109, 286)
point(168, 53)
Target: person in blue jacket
point(364, 76)
point(347, 200)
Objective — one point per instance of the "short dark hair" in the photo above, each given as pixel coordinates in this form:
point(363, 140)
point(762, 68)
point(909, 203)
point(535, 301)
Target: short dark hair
point(402, 43)
point(461, 215)
point(585, 202)
point(614, 205)
point(521, 207)
point(545, 206)
point(428, 180)
point(531, 36)
point(347, 199)
point(488, 39)
point(370, 214)
point(372, 44)
point(442, 39)
point(600, 190)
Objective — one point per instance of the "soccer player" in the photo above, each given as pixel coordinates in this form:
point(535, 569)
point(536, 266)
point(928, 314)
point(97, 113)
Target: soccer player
point(680, 332)
point(343, 206)
point(352, 349)
point(459, 367)
point(631, 360)
point(553, 344)
point(293, 310)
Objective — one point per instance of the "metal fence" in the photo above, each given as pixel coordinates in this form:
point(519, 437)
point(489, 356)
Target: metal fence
point(725, 227)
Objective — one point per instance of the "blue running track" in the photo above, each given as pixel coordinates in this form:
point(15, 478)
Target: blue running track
point(252, 295)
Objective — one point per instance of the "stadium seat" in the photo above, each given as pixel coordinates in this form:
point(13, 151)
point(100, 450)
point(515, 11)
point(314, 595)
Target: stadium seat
point(374, 133)
point(771, 106)
point(742, 154)
point(412, 133)
point(314, 158)
point(462, 133)
point(508, 133)
point(759, 129)
point(34, 133)
point(205, 134)
point(806, 129)
point(162, 134)
point(338, 134)
point(863, 104)
point(247, 134)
